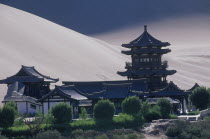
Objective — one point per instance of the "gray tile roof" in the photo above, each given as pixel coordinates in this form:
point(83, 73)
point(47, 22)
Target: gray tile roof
point(145, 39)
point(30, 75)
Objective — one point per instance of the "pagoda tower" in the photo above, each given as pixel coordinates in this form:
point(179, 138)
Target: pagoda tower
point(146, 60)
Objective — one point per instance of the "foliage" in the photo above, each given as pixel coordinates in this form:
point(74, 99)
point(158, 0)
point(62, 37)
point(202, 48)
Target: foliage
point(193, 113)
point(3, 137)
point(152, 114)
point(49, 118)
point(50, 134)
point(185, 130)
point(200, 97)
point(13, 105)
point(173, 116)
point(165, 107)
point(83, 115)
point(124, 120)
point(131, 105)
point(103, 136)
point(83, 124)
point(172, 131)
point(7, 117)
point(34, 123)
point(104, 110)
point(19, 121)
point(62, 113)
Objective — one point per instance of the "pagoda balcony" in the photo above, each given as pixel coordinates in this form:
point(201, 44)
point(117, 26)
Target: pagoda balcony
point(146, 51)
point(162, 65)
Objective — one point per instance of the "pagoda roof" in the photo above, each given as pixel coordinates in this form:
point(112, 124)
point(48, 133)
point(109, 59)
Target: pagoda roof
point(147, 72)
point(196, 85)
point(170, 90)
point(110, 89)
point(144, 40)
point(28, 74)
point(68, 92)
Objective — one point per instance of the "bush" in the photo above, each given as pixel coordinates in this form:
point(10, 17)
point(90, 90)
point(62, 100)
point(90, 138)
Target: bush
point(173, 116)
point(50, 134)
point(83, 124)
point(103, 136)
point(200, 98)
point(131, 105)
point(104, 110)
point(153, 114)
point(165, 107)
point(7, 117)
point(172, 131)
point(62, 113)
point(124, 120)
point(193, 113)
point(13, 105)
point(83, 115)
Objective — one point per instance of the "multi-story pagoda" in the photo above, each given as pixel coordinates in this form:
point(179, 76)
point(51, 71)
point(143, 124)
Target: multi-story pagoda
point(146, 53)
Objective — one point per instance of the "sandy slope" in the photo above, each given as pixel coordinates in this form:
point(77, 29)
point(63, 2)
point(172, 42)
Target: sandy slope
point(56, 51)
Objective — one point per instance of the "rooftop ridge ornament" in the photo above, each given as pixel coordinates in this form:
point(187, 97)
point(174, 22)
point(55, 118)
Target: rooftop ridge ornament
point(145, 27)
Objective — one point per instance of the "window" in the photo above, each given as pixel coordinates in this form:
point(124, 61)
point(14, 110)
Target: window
point(33, 106)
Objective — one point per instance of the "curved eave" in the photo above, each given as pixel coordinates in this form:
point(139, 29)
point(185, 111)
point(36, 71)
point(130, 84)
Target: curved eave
point(161, 51)
point(131, 45)
point(147, 73)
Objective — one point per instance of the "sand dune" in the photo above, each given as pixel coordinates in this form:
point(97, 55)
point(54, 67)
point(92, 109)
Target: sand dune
point(26, 39)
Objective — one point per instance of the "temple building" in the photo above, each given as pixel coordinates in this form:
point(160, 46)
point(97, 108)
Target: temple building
point(146, 60)
point(146, 79)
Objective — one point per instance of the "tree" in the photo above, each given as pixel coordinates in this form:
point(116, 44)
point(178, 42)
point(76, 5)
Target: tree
point(165, 107)
point(131, 105)
point(34, 123)
point(83, 115)
point(13, 105)
point(104, 110)
point(200, 97)
point(62, 113)
point(7, 117)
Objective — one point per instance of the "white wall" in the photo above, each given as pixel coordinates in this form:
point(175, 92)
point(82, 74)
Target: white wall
point(22, 108)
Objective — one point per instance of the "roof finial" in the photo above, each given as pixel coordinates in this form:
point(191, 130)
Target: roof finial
point(145, 27)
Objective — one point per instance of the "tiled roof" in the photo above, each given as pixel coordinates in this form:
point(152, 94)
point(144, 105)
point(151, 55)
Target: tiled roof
point(67, 91)
point(30, 75)
point(144, 40)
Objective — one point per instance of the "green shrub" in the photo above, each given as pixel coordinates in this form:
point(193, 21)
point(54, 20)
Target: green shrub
point(3, 137)
point(153, 114)
point(76, 133)
point(50, 134)
point(103, 136)
point(200, 97)
point(193, 113)
point(172, 131)
point(62, 113)
point(83, 115)
point(173, 116)
point(13, 105)
point(83, 124)
point(165, 107)
point(124, 120)
point(131, 105)
point(7, 117)
point(104, 110)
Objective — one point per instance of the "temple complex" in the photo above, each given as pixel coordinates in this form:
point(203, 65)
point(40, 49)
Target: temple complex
point(146, 75)
point(146, 60)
